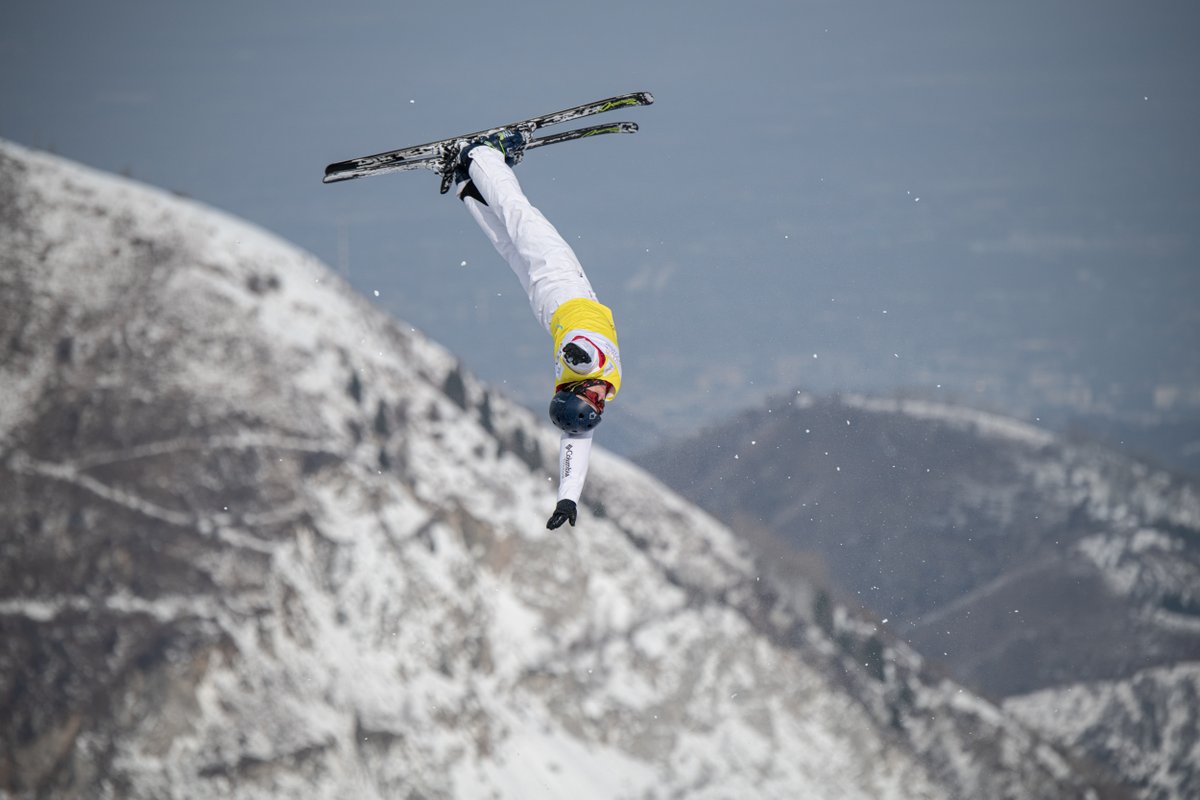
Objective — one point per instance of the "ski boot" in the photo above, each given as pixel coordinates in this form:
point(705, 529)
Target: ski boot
point(510, 142)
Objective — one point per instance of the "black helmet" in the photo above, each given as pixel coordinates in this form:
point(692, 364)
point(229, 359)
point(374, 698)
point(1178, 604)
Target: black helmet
point(571, 413)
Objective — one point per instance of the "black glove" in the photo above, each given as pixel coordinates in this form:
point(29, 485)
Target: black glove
point(575, 355)
point(563, 512)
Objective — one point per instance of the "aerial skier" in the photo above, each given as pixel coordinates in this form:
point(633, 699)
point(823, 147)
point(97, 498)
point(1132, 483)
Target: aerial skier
point(587, 364)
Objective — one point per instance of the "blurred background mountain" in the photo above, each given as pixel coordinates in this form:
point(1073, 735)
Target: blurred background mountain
point(1021, 558)
point(1055, 575)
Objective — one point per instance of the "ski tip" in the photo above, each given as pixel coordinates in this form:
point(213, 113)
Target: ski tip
point(647, 97)
point(336, 172)
point(334, 175)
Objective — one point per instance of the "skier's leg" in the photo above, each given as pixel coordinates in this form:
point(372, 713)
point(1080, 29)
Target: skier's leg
point(545, 264)
point(494, 229)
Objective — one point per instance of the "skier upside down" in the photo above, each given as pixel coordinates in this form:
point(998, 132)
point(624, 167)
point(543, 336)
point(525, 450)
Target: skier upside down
point(587, 363)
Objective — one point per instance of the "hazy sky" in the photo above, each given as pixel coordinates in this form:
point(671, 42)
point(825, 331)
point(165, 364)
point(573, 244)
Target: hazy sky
point(997, 198)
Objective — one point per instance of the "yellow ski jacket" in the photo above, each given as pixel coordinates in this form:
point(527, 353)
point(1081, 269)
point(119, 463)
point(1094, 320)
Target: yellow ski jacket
point(586, 322)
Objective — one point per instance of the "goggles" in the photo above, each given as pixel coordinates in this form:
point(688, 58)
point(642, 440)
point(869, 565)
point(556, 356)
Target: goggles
point(594, 391)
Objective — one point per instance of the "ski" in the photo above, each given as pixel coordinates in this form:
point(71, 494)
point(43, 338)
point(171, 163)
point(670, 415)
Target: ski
point(582, 133)
point(402, 158)
point(437, 163)
point(446, 164)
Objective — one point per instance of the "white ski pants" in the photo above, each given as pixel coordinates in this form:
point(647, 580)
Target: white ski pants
point(544, 263)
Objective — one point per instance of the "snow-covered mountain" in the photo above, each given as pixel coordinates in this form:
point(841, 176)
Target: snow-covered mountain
point(1056, 573)
point(260, 540)
point(1147, 726)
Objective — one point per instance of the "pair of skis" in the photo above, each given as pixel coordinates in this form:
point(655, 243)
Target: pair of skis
point(440, 156)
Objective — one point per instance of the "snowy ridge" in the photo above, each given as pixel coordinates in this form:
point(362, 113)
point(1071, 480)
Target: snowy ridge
point(266, 542)
point(980, 422)
point(1147, 725)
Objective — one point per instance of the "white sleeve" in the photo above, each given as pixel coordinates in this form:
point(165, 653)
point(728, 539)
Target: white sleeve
point(573, 453)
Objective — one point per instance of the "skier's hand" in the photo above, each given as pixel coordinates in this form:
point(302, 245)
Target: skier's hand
point(575, 355)
point(563, 512)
